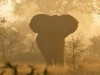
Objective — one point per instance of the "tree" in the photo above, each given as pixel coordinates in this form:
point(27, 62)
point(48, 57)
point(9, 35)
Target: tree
point(11, 41)
point(74, 49)
point(16, 45)
point(59, 6)
point(2, 37)
point(95, 46)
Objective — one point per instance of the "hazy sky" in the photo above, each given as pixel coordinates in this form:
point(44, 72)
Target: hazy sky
point(88, 23)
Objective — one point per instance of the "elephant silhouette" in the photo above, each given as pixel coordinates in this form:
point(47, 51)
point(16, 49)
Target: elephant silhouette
point(52, 31)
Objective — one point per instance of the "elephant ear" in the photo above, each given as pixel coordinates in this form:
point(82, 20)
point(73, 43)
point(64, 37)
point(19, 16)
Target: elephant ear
point(69, 24)
point(38, 23)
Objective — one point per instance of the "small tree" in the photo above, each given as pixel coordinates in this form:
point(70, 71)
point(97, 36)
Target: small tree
point(74, 49)
point(10, 41)
point(16, 44)
point(2, 37)
point(95, 46)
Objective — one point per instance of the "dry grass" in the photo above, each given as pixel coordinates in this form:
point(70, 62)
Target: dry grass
point(82, 69)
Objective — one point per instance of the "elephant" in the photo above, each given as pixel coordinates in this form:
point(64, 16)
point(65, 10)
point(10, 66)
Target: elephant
point(52, 31)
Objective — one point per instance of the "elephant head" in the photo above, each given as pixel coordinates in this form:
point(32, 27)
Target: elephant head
point(52, 30)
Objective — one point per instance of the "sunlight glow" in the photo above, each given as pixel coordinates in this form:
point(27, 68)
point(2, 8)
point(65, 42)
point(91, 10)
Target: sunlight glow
point(96, 18)
point(6, 11)
point(18, 1)
point(7, 8)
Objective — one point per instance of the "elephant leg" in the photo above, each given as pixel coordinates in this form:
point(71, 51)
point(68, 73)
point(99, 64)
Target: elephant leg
point(59, 58)
point(52, 50)
point(47, 49)
point(50, 56)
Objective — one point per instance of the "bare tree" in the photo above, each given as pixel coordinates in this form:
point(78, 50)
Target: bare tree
point(2, 37)
point(11, 41)
point(15, 40)
point(95, 46)
point(74, 49)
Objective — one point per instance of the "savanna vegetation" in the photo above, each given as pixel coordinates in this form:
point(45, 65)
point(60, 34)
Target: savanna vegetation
point(19, 54)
